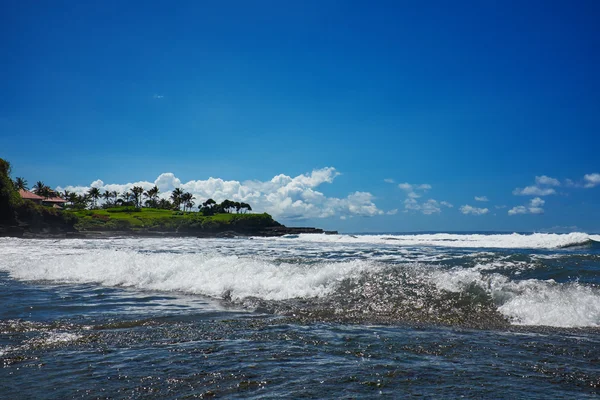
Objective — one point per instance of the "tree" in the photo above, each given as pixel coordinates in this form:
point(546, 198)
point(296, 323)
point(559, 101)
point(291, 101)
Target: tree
point(39, 188)
point(176, 197)
point(65, 195)
point(152, 196)
point(165, 204)
point(107, 196)
point(94, 195)
point(187, 200)
point(21, 183)
point(246, 207)
point(126, 198)
point(72, 198)
point(81, 201)
point(9, 197)
point(208, 207)
point(137, 195)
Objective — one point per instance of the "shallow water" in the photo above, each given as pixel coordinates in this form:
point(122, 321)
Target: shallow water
point(309, 316)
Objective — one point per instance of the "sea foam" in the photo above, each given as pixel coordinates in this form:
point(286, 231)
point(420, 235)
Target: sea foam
point(501, 241)
point(531, 301)
point(206, 274)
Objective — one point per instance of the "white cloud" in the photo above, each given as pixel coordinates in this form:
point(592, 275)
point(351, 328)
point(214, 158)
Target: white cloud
point(392, 212)
point(283, 196)
point(546, 180)
point(467, 209)
point(158, 96)
point(97, 183)
point(517, 210)
point(533, 191)
point(428, 207)
point(541, 187)
point(534, 207)
point(592, 180)
point(389, 180)
point(167, 182)
point(415, 191)
point(537, 202)
point(481, 198)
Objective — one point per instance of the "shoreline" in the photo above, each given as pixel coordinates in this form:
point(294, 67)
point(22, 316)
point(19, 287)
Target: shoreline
point(277, 231)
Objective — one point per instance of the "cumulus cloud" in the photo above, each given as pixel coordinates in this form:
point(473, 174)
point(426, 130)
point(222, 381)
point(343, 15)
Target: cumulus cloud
point(543, 187)
point(533, 191)
point(392, 212)
point(517, 210)
point(413, 192)
point(592, 180)
point(413, 189)
point(481, 198)
point(467, 209)
point(546, 180)
point(389, 180)
point(158, 96)
point(283, 196)
point(534, 207)
point(428, 207)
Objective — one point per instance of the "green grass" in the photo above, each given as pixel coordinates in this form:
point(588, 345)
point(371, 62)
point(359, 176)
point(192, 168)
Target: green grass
point(151, 219)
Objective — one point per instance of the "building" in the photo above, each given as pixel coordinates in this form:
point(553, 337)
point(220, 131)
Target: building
point(27, 195)
point(53, 201)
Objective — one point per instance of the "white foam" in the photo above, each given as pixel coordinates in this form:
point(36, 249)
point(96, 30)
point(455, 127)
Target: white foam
point(206, 274)
point(530, 302)
point(240, 269)
point(505, 241)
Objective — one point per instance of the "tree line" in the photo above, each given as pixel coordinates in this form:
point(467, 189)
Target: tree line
point(135, 197)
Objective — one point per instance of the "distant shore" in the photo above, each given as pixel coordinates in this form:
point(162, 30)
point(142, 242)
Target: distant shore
point(275, 231)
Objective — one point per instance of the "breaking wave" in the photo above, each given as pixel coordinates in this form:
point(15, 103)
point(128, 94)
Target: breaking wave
point(350, 290)
point(500, 241)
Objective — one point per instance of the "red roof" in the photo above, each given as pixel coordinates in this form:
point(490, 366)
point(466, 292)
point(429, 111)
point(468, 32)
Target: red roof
point(55, 200)
point(30, 196)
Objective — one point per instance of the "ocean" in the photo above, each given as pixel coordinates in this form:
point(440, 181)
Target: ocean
point(302, 316)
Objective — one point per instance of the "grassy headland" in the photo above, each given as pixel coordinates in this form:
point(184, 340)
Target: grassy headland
point(124, 213)
point(130, 219)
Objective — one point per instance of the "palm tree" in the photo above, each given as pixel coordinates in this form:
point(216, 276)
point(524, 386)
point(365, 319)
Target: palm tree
point(38, 188)
point(137, 195)
point(81, 201)
point(152, 195)
point(126, 197)
point(176, 197)
point(187, 200)
point(94, 194)
point(165, 204)
point(65, 195)
point(72, 198)
point(107, 196)
point(21, 183)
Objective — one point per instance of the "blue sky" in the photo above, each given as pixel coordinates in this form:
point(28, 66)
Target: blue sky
point(447, 101)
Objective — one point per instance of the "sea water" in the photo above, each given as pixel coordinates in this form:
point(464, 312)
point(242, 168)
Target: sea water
point(303, 316)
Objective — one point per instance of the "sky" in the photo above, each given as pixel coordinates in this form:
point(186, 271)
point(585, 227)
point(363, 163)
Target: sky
point(358, 116)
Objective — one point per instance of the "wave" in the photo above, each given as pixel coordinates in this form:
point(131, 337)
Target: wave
point(351, 290)
point(491, 241)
